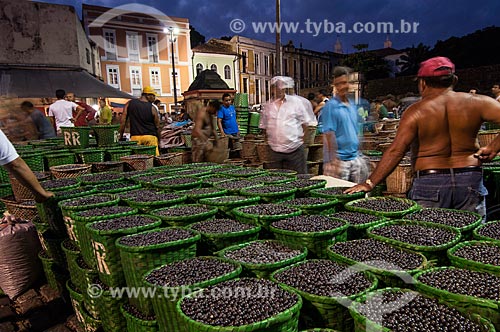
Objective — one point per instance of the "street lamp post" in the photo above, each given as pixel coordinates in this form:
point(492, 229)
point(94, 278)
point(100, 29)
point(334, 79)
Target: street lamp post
point(173, 39)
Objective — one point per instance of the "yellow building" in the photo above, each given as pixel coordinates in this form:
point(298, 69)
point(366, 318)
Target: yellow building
point(135, 46)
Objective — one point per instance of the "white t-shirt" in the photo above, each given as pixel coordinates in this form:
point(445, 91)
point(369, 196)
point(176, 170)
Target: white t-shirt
point(62, 111)
point(7, 151)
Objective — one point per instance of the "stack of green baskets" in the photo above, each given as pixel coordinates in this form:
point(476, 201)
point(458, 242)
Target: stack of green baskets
point(364, 324)
point(317, 243)
point(286, 321)
point(264, 270)
point(213, 242)
point(483, 307)
point(107, 135)
point(136, 324)
point(114, 154)
point(82, 235)
point(470, 264)
point(327, 311)
point(109, 264)
point(82, 277)
point(71, 252)
point(51, 270)
point(138, 260)
point(34, 159)
point(57, 159)
point(87, 322)
point(184, 220)
point(437, 253)
point(165, 306)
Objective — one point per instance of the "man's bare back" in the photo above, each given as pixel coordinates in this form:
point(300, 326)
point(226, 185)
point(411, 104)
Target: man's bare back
point(444, 126)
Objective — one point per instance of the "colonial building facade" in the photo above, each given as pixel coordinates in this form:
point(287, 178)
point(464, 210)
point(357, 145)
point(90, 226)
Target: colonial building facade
point(136, 49)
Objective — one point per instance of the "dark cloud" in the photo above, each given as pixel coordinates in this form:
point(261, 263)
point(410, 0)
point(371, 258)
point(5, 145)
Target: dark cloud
point(438, 20)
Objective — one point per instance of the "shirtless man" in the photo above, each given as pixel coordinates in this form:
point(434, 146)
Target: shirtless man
point(441, 132)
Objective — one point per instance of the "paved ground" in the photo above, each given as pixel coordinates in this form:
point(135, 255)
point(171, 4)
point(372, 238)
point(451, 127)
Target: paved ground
point(40, 309)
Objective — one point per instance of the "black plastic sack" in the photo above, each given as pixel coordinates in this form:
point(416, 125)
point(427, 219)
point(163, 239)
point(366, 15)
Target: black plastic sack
point(19, 263)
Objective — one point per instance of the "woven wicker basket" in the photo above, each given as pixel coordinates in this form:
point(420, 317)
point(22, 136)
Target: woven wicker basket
point(174, 158)
point(249, 149)
point(21, 209)
point(487, 136)
point(70, 171)
point(21, 192)
point(399, 181)
point(264, 152)
point(138, 162)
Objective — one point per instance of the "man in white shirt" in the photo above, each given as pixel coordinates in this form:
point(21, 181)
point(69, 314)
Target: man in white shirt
point(20, 170)
point(284, 121)
point(61, 112)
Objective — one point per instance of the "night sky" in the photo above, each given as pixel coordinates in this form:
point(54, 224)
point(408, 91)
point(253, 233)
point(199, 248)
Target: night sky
point(436, 19)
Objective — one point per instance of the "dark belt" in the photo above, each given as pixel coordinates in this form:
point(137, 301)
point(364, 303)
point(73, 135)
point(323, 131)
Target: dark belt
point(449, 170)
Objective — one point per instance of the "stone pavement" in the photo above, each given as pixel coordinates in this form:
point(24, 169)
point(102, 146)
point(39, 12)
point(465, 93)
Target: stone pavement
point(40, 309)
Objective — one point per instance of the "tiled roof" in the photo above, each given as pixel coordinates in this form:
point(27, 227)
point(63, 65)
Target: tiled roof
point(215, 46)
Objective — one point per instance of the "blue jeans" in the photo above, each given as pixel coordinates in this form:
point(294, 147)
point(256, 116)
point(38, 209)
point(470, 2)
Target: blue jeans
point(461, 191)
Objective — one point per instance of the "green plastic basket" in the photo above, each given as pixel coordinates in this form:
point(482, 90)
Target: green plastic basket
point(262, 220)
point(326, 311)
point(390, 278)
point(469, 264)
point(136, 261)
point(76, 137)
point(286, 321)
point(116, 153)
point(109, 264)
point(144, 149)
point(413, 206)
point(57, 159)
point(84, 238)
point(69, 206)
point(194, 195)
point(112, 319)
point(437, 253)
point(89, 156)
point(342, 198)
point(465, 230)
point(363, 324)
point(76, 302)
point(263, 270)
point(213, 242)
point(225, 207)
point(34, 160)
point(168, 183)
point(327, 207)
point(165, 307)
point(49, 268)
point(304, 187)
point(478, 236)
point(358, 231)
point(316, 243)
point(83, 278)
point(107, 135)
point(146, 207)
point(96, 179)
point(71, 253)
point(287, 193)
point(480, 306)
point(185, 219)
point(135, 324)
point(117, 187)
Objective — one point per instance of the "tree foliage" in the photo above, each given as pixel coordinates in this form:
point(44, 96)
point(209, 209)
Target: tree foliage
point(196, 37)
point(367, 63)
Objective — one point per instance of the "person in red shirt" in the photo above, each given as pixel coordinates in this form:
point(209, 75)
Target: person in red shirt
point(87, 117)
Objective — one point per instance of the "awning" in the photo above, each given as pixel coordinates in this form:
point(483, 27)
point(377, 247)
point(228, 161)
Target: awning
point(43, 83)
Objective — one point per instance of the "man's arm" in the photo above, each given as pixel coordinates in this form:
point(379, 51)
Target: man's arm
point(407, 132)
point(79, 109)
point(156, 119)
point(221, 130)
point(123, 120)
point(25, 176)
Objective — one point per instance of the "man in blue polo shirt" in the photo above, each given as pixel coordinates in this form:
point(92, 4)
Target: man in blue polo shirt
point(339, 124)
point(226, 117)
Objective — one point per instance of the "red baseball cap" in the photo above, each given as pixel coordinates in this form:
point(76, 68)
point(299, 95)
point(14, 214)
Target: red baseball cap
point(437, 66)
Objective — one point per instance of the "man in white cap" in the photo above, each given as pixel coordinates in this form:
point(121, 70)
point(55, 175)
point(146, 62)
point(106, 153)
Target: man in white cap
point(441, 132)
point(284, 120)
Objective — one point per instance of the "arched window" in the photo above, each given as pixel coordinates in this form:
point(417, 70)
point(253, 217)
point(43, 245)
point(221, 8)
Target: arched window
point(199, 69)
point(227, 72)
point(213, 67)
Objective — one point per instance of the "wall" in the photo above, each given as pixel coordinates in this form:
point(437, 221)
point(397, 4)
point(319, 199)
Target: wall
point(220, 60)
point(36, 33)
point(481, 78)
